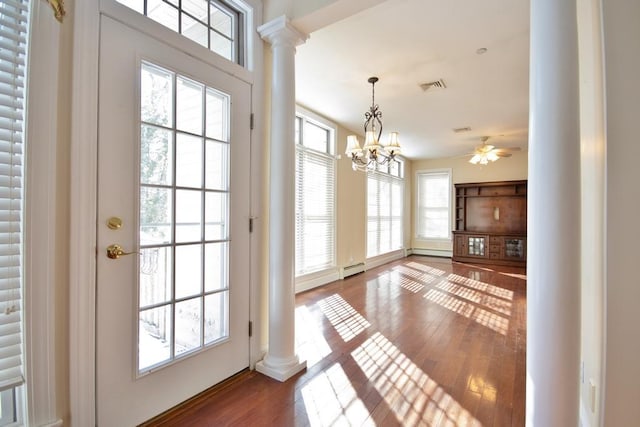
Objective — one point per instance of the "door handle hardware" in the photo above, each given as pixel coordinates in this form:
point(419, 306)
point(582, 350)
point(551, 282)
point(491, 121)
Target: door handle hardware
point(115, 251)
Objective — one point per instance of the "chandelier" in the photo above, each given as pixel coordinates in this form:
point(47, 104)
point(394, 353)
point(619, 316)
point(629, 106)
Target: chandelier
point(373, 153)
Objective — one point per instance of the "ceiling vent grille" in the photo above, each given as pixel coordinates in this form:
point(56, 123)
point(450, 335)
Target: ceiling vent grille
point(460, 130)
point(439, 84)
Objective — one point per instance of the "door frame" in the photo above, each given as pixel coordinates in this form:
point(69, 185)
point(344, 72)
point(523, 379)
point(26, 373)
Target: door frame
point(83, 186)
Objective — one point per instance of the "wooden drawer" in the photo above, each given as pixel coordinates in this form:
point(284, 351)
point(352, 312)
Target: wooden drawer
point(494, 248)
point(494, 255)
point(493, 240)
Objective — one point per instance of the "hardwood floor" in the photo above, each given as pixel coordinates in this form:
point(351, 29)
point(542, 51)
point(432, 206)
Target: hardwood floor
point(418, 342)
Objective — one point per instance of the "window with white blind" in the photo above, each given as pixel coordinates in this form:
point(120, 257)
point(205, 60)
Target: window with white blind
point(433, 216)
point(13, 42)
point(385, 189)
point(315, 196)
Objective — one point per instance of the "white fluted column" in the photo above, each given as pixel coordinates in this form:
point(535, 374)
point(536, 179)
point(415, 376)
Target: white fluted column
point(281, 361)
point(553, 262)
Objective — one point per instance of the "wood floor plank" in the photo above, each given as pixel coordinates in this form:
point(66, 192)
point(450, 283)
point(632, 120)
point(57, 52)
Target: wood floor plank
point(420, 341)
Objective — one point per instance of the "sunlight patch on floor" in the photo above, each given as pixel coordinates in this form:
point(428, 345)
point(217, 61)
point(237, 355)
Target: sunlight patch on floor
point(330, 400)
point(344, 318)
point(419, 279)
point(515, 275)
point(414, 398)
point(481, 286)
point(425, 268)
point(479, 315)
point(497, 304)
point(310, 343)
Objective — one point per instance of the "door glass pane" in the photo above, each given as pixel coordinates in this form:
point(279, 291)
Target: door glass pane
point(178, 312)
point(155, 276)
point(216, 213)
point(156, 103)
point(154, 336)
point(216, 324)
point(189, 108)
point(188, 270)
point(155, 215)
point(217, 166)
point(217, 115)
point(156, 154)
point(188, 325)
point(188, 161)
point(215, 259)
point(188, 216)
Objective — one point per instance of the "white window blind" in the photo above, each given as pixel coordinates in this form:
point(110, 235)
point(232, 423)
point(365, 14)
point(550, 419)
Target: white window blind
point(384, 213)
point(315, 196)
point(13, 41)
point(434, 205)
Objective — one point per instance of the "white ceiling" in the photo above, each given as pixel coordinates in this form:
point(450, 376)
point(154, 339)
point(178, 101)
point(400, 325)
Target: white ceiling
point(409, 42)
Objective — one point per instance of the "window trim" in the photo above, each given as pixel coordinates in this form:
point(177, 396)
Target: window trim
point(417, 236)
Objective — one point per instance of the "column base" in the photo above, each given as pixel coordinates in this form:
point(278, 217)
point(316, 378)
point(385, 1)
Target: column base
point(280, 370)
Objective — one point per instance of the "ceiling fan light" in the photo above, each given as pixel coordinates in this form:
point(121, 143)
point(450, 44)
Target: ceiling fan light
point(475, 159)
point(492, 156)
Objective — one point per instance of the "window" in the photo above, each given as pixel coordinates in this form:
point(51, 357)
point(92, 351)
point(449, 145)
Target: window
point(384, 209)
point(434, 205)
point(184, 216)
point(214, 24)
point(315, 196)
point(13, 42)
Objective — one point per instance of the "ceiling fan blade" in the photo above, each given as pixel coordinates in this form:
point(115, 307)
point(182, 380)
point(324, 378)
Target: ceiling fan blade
point(501, 153)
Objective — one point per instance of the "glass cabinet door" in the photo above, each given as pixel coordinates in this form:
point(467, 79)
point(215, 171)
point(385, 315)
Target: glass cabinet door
point(476, 246)
point(514, 248)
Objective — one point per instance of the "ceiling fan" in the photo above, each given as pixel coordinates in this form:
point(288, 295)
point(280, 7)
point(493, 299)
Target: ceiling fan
point(485, 153)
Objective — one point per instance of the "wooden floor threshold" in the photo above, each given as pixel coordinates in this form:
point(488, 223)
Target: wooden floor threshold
point(170, 416)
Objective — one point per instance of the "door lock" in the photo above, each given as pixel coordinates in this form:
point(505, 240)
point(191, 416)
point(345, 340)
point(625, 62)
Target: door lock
point(115, 251)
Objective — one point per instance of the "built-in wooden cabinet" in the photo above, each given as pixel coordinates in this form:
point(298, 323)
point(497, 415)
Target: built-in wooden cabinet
point(491, 223)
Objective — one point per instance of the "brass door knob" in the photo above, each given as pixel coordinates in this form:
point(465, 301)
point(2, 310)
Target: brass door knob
point(115, 251)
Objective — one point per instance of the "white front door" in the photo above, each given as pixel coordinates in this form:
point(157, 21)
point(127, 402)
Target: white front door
point(173, 187)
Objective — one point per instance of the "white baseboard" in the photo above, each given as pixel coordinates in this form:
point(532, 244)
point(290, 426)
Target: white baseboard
point(383, 259)
point(350, 270)
point(57, 423)
point(315, 280)
point(433, 252)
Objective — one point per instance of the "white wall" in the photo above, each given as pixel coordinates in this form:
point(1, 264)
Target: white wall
point(507, 169)
point(622, 87)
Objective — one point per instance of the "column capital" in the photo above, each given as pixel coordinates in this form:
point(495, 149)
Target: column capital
point(280, 31)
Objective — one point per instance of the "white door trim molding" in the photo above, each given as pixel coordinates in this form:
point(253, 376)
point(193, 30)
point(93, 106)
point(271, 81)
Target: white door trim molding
point(82, 251)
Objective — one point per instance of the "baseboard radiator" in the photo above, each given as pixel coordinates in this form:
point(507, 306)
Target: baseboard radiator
point(351, 270)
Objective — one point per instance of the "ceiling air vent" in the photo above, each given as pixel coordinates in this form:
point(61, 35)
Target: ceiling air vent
point(439, 84)
point(460, 130)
